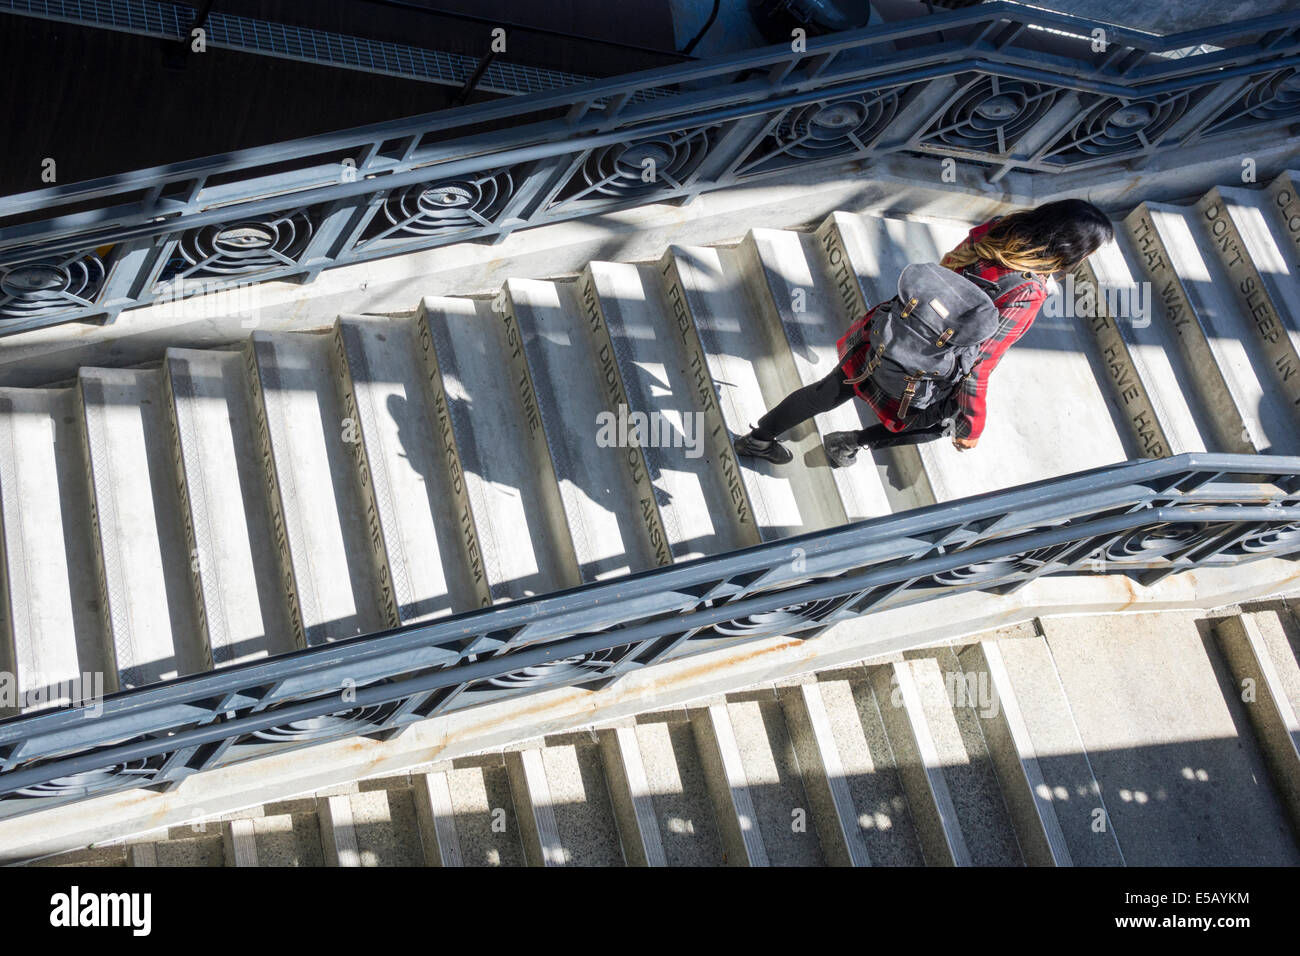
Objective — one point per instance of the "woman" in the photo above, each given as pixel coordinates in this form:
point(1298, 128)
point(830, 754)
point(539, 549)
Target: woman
point(1052, 238)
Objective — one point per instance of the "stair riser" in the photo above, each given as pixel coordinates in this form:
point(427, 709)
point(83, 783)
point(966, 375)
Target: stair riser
point(202, 600)
point(1267, 315)
point(279, 530)
point(1200, 344)
point(383, 574)
point(1285, 206)
point(615, 395)
point(437, 397)
point(1126, 379)
point(687, 339)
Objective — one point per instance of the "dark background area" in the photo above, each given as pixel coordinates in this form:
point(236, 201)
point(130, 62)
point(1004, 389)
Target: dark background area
point(101, 102)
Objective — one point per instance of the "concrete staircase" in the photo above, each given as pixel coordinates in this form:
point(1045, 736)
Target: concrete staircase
point(232, 503)
point(1102, 740)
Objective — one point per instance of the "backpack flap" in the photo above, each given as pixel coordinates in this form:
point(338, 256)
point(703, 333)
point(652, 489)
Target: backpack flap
point(948, 306)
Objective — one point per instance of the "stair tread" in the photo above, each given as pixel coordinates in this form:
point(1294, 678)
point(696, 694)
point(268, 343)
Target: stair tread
point(883, 821)
point(950, 701)
point(681, 800)
point(774, 784)
point(245, 609)
point(514, 499)
point(484, 816)
point(429, 540)
point(1195, 291)
point(744, 363)
point(1163, 740)
point(805, 297)
point(323, 512)
point(1076, 798)
point(145, 558)
point(689, 462)
point(1160, 399)
point(54, 623)
point(609, 504)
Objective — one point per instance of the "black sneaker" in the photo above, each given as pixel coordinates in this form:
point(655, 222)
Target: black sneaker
point(771, 450)
point(842, 448)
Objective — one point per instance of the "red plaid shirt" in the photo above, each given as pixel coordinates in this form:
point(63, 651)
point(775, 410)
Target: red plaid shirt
point(1018, 307)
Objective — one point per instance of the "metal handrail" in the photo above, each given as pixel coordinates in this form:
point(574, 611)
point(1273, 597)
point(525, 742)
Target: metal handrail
point(479, 172)
point(1146, 518)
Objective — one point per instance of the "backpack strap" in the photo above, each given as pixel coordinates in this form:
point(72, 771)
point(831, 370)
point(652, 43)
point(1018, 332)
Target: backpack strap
point(997, 288)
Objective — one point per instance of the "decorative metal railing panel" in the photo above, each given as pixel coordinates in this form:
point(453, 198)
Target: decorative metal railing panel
point(1145, 519)
point(1006, 87)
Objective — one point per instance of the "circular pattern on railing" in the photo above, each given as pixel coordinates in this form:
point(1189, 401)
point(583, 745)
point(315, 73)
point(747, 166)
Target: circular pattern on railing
point(632, 169)
point(89, 782)
point(247, 245)
point(992, 114)
point(1278, 539)
point(1275, 97)
point(846, 125)
point(1147, 544)
point(562, 670)
point(49, 285)
point(425, 209)
point(1119, 126)
point(342, 723)
point(780, 619)
point(981, 571)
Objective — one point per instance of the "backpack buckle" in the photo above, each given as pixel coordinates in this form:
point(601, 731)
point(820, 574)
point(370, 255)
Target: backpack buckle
point(908, 392)
point(943, 339)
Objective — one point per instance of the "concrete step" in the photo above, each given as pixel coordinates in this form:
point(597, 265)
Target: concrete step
point(421, 508)
point(609, 502)
point(947, 774)
point(1148, 374)
point(1263, 265)
point(372, 827)
point(112, 855)
point(562, 803)
point(751, 367)
point(1056, 803)
point(755, 779)
point(1284, 204)
point(243, 608)
point(1263, 650)
point(986, 682)
point(658, 789)
point(832, 752)
point(884, 818)
point(1192, 298)
point(467, 815)
point(199, 850)
point(486, 409)
point(651, 365)
point(53, 632)
point(320, 508)
point(276, 839)
point(800, 297)
point(1164, 730)
point(1047, 414)
point(144, 559)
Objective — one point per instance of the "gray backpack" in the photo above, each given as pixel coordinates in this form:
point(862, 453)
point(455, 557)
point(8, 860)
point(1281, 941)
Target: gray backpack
point(923, 342)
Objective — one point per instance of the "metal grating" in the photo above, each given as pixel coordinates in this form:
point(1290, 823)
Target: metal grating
point(171, 21)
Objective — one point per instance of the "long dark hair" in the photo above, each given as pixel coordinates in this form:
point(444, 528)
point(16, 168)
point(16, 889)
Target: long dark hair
point(1053, 237)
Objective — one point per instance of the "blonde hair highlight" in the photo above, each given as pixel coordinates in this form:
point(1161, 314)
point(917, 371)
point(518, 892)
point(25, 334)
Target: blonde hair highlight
point(1002, 246)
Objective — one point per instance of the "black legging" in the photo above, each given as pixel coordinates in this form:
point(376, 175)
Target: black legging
point(833, 391)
